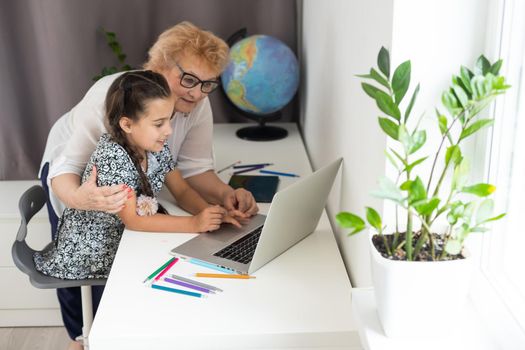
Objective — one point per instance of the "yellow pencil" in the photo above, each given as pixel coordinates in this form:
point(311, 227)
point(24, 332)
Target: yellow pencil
point(220, 275)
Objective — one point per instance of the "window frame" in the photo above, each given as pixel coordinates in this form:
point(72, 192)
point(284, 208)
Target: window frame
point(498, 302)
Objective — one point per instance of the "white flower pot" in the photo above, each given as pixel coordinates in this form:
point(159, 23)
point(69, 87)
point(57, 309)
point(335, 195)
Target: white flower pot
point(419, 298)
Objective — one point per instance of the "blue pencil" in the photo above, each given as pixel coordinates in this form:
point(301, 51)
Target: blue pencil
point(278, 173)
point(178, 291)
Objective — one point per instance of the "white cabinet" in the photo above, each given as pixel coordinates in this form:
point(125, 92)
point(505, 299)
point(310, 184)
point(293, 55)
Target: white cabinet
point(21, 304)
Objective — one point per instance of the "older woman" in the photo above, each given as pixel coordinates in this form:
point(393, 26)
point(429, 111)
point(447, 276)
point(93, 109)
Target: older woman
point(191, 60)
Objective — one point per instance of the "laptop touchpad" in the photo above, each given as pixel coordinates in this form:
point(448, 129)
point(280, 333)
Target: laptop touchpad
point(224, 234)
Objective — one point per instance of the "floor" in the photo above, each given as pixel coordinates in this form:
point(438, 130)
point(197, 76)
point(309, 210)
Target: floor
point(34, 338)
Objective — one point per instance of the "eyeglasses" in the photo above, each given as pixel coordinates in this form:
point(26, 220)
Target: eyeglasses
point(189, 81)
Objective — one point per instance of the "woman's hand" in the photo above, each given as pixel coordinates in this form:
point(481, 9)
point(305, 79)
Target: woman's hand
point(209, 219)
point(89, 196)
point(240, 203)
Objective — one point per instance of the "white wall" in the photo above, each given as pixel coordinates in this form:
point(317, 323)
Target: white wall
point(341, 39)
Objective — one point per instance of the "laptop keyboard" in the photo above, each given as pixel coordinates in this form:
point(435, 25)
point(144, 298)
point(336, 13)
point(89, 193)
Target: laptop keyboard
point(241, 250)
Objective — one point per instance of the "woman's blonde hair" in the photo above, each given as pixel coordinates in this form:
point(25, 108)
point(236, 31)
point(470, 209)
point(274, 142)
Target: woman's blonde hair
point(187, 39)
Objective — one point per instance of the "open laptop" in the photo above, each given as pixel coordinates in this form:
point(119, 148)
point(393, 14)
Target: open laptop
point(293, 215)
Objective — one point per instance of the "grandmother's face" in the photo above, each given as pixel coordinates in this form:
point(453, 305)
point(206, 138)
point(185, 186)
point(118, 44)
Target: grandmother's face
point(190, 69)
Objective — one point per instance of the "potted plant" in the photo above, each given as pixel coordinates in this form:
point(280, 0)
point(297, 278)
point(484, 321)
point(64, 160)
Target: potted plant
point(420, 269)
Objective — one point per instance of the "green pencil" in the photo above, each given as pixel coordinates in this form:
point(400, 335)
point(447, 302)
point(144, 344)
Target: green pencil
point(158, 270)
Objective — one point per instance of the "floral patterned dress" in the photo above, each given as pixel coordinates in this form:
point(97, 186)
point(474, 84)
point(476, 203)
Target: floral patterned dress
point(87, 240)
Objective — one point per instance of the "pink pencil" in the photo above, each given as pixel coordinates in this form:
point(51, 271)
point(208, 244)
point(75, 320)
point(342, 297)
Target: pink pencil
point(165, 270)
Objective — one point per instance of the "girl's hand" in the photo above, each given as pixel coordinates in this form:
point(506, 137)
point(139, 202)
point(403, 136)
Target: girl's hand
point(235, 222)
point(209, 219)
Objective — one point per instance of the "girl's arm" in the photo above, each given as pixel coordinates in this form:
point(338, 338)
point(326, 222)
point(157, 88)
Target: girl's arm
point(187, 198)
point(208, 219)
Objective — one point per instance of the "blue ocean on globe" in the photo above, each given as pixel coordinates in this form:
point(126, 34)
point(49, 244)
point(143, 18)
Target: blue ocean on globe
point(262, 75)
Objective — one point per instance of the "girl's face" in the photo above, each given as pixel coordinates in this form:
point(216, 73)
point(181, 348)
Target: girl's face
point(187, 98)
point(153, 127)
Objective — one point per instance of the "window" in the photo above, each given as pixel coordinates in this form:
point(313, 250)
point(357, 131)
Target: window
point(499, 290)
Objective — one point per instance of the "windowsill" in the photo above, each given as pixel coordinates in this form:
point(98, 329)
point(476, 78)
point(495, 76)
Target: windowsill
point(472, 334)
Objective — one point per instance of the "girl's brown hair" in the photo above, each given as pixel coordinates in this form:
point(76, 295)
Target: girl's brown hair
point(127, 96)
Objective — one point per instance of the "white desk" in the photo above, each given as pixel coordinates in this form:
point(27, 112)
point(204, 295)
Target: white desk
point(302, 299)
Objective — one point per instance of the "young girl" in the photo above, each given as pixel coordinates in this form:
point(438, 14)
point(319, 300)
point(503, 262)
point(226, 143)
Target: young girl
point(139, 108)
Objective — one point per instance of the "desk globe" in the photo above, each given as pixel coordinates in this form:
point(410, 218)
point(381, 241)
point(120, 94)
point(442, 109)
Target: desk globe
point(261, 78)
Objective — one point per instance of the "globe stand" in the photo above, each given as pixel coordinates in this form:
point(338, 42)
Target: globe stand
point(262, 132)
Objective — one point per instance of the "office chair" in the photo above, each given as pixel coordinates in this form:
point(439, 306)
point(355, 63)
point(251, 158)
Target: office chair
point(30, 203)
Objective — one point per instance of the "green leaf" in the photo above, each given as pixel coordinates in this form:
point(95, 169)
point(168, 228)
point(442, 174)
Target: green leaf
point(351, 221)
point(463, 232)
point(460, 177)
point(392, 160)
point(370, 90)
point(442, 122)
point(453, 154)
point(399, 157)
point(405, 186)
point(411, 103)
point(495, 218)
point(479, 229)
point(482, 66)
point(404, 137)
point(417, 191)
point(450, 102)
point(499, 84)
point(388, 190)
point(480, 190)
point(485, 210)
point(494, 69)
point(427, 207)
point(377, 77)
point(418, 140)
point(453, 247)
point(383, 61)
point(121, 57)
point(374, 219)
point(465, 76)
point(477, 125)
point(385, 104)
point(479, 88)
point(401, 81)
point(411, 166)
point(389, 127)
point(461, 96)
point(110, 36)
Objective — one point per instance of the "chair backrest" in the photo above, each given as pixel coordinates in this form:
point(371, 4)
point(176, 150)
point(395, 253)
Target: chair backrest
point(31, 201)
point(29, 204)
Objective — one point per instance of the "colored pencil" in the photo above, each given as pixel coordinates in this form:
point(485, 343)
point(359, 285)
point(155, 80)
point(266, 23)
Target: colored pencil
point(166, 269)
point(178, 291)
point(158, 270)
point(228, 167)
point(188, 285)
point(196, 283)
point(271, 172)
point(248, 169)
point(250, 165)
point(218, 275)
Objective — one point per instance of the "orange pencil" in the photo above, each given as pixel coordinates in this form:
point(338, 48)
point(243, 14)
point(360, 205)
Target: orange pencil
point(220, 275)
